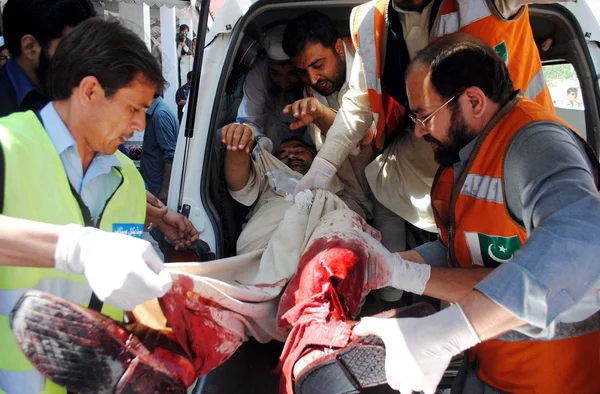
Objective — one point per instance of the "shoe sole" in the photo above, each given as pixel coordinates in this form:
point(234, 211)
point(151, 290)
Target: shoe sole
point(84, 351)
point(358, 366)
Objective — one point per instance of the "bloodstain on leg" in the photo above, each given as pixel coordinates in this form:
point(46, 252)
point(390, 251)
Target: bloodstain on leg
point(194, 322)
point(326, 291)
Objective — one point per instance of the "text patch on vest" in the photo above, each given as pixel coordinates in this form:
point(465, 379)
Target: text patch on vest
point(134, 229)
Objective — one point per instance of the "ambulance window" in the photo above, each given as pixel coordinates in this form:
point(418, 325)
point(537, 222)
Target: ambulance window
point(564, 86)
point(566, 94)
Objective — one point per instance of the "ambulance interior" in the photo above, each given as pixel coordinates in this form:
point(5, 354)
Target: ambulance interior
point(548, 21)
point(248, 371)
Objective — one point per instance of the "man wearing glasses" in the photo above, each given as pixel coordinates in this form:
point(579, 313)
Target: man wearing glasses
point(517, 207)
point(387, 35)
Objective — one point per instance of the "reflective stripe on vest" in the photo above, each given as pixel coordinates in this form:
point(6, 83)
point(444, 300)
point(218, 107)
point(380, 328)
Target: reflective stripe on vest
point(512, 39)
point(536, 86)
point(479, 231)
point(483, 187)
point(37, 188)
point(369, 31)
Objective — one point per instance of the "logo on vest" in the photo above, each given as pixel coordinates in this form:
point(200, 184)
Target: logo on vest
point(502, 51)
point(133, 229)
point(491, 250)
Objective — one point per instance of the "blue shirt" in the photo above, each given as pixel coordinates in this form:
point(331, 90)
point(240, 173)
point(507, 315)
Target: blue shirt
point(19, 80)
point(100, 180)
point(158, 148)
point(17, 92)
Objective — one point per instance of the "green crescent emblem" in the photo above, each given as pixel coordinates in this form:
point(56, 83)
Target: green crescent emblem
point(502, 51)
point(491, 250)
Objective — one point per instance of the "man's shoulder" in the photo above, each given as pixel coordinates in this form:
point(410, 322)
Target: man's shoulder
point(8, 94)
point(545, 144)
point(164, 113)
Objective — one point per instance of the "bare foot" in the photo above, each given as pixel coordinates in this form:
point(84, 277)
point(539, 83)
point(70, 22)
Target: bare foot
point(306, 359)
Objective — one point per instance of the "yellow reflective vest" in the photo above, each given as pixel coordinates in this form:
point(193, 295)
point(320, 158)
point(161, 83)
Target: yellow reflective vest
point(36, 187)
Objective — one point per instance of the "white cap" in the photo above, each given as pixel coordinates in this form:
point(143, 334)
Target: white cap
point(273, 40)
point(1, 41)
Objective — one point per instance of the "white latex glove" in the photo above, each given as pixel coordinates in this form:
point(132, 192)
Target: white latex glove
point(405, 275)
point(418, 351)
point(122, 270)
point(318, 177)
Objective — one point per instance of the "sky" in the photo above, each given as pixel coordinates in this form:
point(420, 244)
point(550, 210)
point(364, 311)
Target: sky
point(595, 6)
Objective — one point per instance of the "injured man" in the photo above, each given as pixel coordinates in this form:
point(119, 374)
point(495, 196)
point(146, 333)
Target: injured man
point(303, 269)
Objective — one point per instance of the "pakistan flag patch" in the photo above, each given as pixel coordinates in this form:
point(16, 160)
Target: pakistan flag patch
point(489, 250)
point(502, 51)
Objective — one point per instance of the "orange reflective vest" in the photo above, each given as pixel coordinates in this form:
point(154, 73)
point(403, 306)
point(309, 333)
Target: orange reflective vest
point(463, 213)
point(368, 27)
point(512, 40)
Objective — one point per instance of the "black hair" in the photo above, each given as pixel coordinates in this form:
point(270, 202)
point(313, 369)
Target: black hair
point(459, 61)
point(45, 20)
point(106, 50)
point(312, 27)
point(310, 147)
point(183, 26)
point(189, 75)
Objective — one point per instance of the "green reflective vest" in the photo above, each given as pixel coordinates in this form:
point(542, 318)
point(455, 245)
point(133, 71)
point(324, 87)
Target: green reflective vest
point(36, 187)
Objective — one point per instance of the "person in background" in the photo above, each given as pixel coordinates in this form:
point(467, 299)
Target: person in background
point(158, 148)
point(32, 30)
point(571, 101)
point(4, 54)
point(270, 86)
point(182, 95)
point(184, 52)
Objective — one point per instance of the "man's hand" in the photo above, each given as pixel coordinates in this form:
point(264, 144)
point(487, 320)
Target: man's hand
point(155, 211)
point(237, 137)
point(306, 111)
point(163, 195)
point(122, 270)
point(389, 269)
point(318, 177)
point(418, 351)
point(179, 229)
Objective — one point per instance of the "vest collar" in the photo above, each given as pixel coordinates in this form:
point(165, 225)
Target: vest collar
point(502, 112)
point(467, 150)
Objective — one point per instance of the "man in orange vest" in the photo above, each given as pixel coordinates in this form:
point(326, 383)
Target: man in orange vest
point(387, 34)
point(517, 207)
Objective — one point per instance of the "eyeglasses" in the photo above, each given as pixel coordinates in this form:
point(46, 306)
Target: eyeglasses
point(421, 122)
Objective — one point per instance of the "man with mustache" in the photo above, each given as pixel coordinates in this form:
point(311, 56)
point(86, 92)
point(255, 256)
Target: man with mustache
point(517, 206)
point(387, 34)
point(32, 31)
point(324, 61)
point(72, 205)
point(270, 86)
